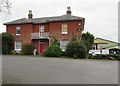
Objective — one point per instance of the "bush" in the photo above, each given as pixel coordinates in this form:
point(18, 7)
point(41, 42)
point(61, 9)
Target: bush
point(53, 51)
point(13, 52)
point(28, 49)
point(94, 57)
point(106, 56)
point(76, 49)
point(63, 53)
point(7, 43)
point(116, 56)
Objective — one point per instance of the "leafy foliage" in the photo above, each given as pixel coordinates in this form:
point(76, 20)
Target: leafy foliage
point(88, 40)
point(106, 56)
point(13, 52)
point(28, 49)
point(75, 37)
point(7, 43)
point(55, 40)
point(76, 49)
point(53, 51)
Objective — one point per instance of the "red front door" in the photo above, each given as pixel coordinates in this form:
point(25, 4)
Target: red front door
point(41, 47)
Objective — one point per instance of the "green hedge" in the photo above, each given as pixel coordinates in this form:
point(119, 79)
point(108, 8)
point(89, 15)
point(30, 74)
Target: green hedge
point(53, 51)
point(105, 56)
point(28, 49)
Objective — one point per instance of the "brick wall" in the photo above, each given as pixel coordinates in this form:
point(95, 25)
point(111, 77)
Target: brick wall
point(37, 26)
point(55, 29)
point(26, 30)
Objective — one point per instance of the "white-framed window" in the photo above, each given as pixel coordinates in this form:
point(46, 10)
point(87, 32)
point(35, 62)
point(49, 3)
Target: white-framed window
point(63, 44)
point(18, 45)
point(42, 28)
point(17, 30)
point(64, 29)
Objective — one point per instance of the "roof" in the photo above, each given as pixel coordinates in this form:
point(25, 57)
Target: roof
point(65, 17)
point(105, 40)
point(105, 43)
point(100, 42)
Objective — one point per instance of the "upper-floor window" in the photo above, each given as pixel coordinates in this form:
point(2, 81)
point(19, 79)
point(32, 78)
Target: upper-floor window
point(42, 28)
point(17, 30)
point(17, 45)
point(64, 29)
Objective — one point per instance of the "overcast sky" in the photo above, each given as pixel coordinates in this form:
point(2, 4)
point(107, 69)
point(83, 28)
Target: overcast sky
point(101, 16)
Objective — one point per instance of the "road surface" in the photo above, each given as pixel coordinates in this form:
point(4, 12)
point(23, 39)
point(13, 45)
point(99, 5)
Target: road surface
point(48, 70)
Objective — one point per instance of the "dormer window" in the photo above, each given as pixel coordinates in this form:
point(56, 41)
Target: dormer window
point(17, 30)
point(64, 29)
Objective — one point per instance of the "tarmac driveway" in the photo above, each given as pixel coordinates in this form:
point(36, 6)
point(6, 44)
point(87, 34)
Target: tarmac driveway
point(44, 70)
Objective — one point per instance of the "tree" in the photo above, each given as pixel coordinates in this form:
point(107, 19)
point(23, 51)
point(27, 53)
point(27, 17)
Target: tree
point(88, 40)
point(55, 40)
point(5, 6)
point(7, 43)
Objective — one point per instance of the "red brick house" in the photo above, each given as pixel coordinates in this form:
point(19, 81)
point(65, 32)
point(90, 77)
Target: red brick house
point(40, 31)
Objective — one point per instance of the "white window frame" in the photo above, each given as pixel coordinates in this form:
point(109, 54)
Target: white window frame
point(20, 44)
point(63, 27)
point(42, 29)
point(17, 29)
point(63, 48)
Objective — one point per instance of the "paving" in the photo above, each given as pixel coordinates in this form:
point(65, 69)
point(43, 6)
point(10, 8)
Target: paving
point(49, 70)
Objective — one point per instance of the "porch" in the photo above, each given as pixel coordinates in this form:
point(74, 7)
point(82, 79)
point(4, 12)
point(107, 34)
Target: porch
point(40, 45)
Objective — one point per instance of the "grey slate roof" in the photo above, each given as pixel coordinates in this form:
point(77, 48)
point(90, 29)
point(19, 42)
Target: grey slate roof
point(65, 17)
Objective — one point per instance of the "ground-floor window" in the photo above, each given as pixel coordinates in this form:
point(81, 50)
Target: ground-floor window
point(17, 45)
point(63, 44)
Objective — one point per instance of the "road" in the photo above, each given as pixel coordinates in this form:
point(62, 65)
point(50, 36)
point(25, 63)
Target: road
point(48, 70)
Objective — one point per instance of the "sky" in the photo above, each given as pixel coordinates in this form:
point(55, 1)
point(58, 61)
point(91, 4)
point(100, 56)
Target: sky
point(101, 16)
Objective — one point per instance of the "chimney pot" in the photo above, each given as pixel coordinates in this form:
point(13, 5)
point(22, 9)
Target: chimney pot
point(69, 10)
point(30, 15)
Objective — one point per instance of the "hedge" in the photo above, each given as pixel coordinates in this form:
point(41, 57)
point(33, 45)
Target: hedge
point(28, 49)
point(53, 51)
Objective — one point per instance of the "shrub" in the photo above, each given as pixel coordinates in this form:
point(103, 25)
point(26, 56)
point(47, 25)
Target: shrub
point(55, 40)
point(7, 43)
point(13, 52)
point(28, 49)
point(116, 56)
point(95, 57)
point(106, 56)
point(76, 49)
point(53, 51)
point(63, 53)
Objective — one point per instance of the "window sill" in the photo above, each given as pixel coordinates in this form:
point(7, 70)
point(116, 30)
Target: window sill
point(18, 34)
point(64, 32)
point(18, 49)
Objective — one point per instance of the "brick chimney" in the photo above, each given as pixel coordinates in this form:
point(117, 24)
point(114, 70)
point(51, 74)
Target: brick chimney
point(30, 15)
point(68, 10)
